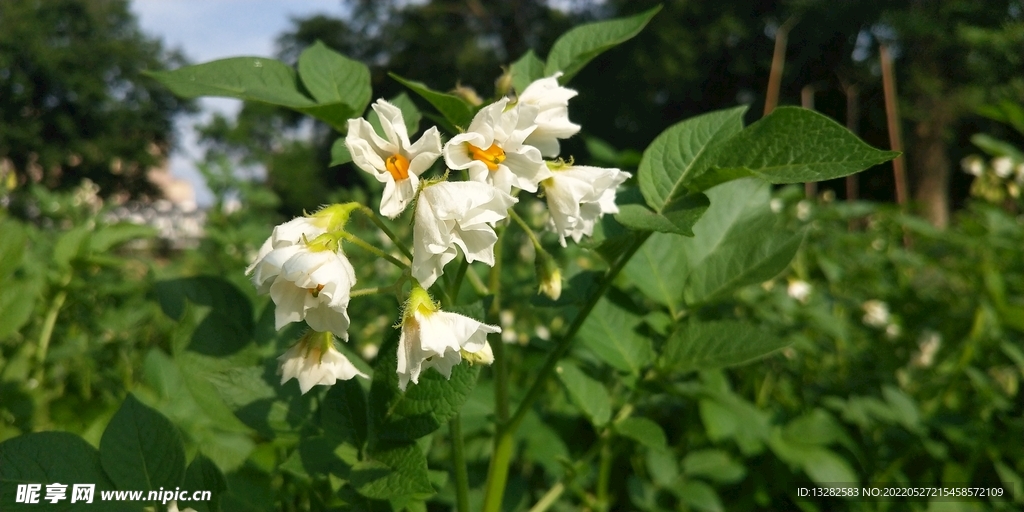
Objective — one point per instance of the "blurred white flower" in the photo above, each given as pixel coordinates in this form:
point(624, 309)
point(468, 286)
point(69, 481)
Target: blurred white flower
point(437, 339)
point(552, 122)
point(1002, 166)
point(455, 214)
point(928, 345)
point(973, 165)
point(173, 507)
point(314, 361)
point(493, 149)
point(876, 313)
point(803, 210)
point(776, 205)
point(799, 290)
point(578, 196)
point(892, 331)
point(393, 161)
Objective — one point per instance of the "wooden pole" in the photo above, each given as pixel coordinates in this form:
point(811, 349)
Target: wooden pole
point(807, 101)
point(778, 63)
point(893, 120)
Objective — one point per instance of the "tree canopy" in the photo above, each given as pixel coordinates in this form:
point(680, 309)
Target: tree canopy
point(73, 101)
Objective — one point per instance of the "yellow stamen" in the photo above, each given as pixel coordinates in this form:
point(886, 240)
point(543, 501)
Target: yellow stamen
point(316, 291)
point(398, 166)
point(491, 156)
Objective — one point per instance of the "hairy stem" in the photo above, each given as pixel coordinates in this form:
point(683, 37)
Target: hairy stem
point(387, 231)
point(369, 248)
point(459, 464)
point(498, 473)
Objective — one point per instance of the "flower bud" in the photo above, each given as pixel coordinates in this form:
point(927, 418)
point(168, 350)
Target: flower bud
point(549, 276)
point(503, 84)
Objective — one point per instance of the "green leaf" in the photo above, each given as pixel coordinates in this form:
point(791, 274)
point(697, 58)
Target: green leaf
point(245, 78)
point(343, 412)
point(410, 114)
point(528, 68)
point(227, 328)
point(643, 431)
point(792, 145)
point(453, 108)
point(681, 153)
point(107, 237)
point(662, 466)
point(203, 474)
point(334, 79)
point(699, 495)
point(424, 407)
point(713, 464)
point(588, 394)
point(610, 332)
point(17, 301)
point(817, 427)
point(397, 473)
point(680, 220)
point(339, 152)
point(46, 458)
point(996, 147)
point(141, 449)
point(71, 244)
point(577, 47)
point(822, 465)
point(12, 246)
point(700, 345)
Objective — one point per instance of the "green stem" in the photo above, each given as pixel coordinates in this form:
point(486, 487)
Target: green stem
point(369, 248)
point(369, 291)
point(477, 283)
point(387, 231)
point(526, 227)
point(49, 323)
point(459, 463)
point(549, 498)
point(500, 363)
point(456, 284)
point(604, 473)
point(498, 474)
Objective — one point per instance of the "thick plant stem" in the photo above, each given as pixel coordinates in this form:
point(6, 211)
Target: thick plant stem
point(604, 474)
point(459, 464)
point(500, 365)
point(497, 475)
point(48, 325)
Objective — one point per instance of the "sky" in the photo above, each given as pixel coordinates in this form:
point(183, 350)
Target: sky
point(206, 30)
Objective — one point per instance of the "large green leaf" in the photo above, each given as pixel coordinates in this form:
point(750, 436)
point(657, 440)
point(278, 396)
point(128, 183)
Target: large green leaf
point(395, 472)
point(643, 431)
point(610, 332)
point(453, 108)
point(528, 68)
point(343, 412)
point(12, 246)
point(334, 79)
point(577, 47)
point(424, 406)
point(736, 243)
point(822, 465)
point(587, 393)
point(203, 474)
point(246, 78)
point(699, 495)
point(48, 458)
point(141, 449)
point(678, 218)
point(681, 153)
point(700, 345)
point(792, 145)
point(227, 328)
point(713, 464)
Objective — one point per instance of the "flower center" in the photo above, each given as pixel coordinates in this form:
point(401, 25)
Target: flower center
point(315, 292)
point(491, 156)
point(398, 166)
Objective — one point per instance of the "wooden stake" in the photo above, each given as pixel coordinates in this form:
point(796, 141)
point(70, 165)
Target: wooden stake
point(807, 101)
point(893, 121)
point(778, 63)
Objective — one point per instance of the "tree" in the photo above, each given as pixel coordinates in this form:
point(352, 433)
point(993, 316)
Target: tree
point(73, 103)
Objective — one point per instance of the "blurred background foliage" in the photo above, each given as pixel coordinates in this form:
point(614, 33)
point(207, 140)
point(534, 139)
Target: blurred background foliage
point(907, 332)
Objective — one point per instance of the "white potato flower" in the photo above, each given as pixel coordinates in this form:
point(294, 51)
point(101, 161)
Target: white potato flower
point(1002, 166)
point(876, 313)
point(455, 214)
point(315, 361)
point(284, 235)
point(493, 148)
point(309, 280)
point(578, 196)
point(437, 339)
point(552, 102)
point(393, 160)
point(799, 290)
point(173, 507)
